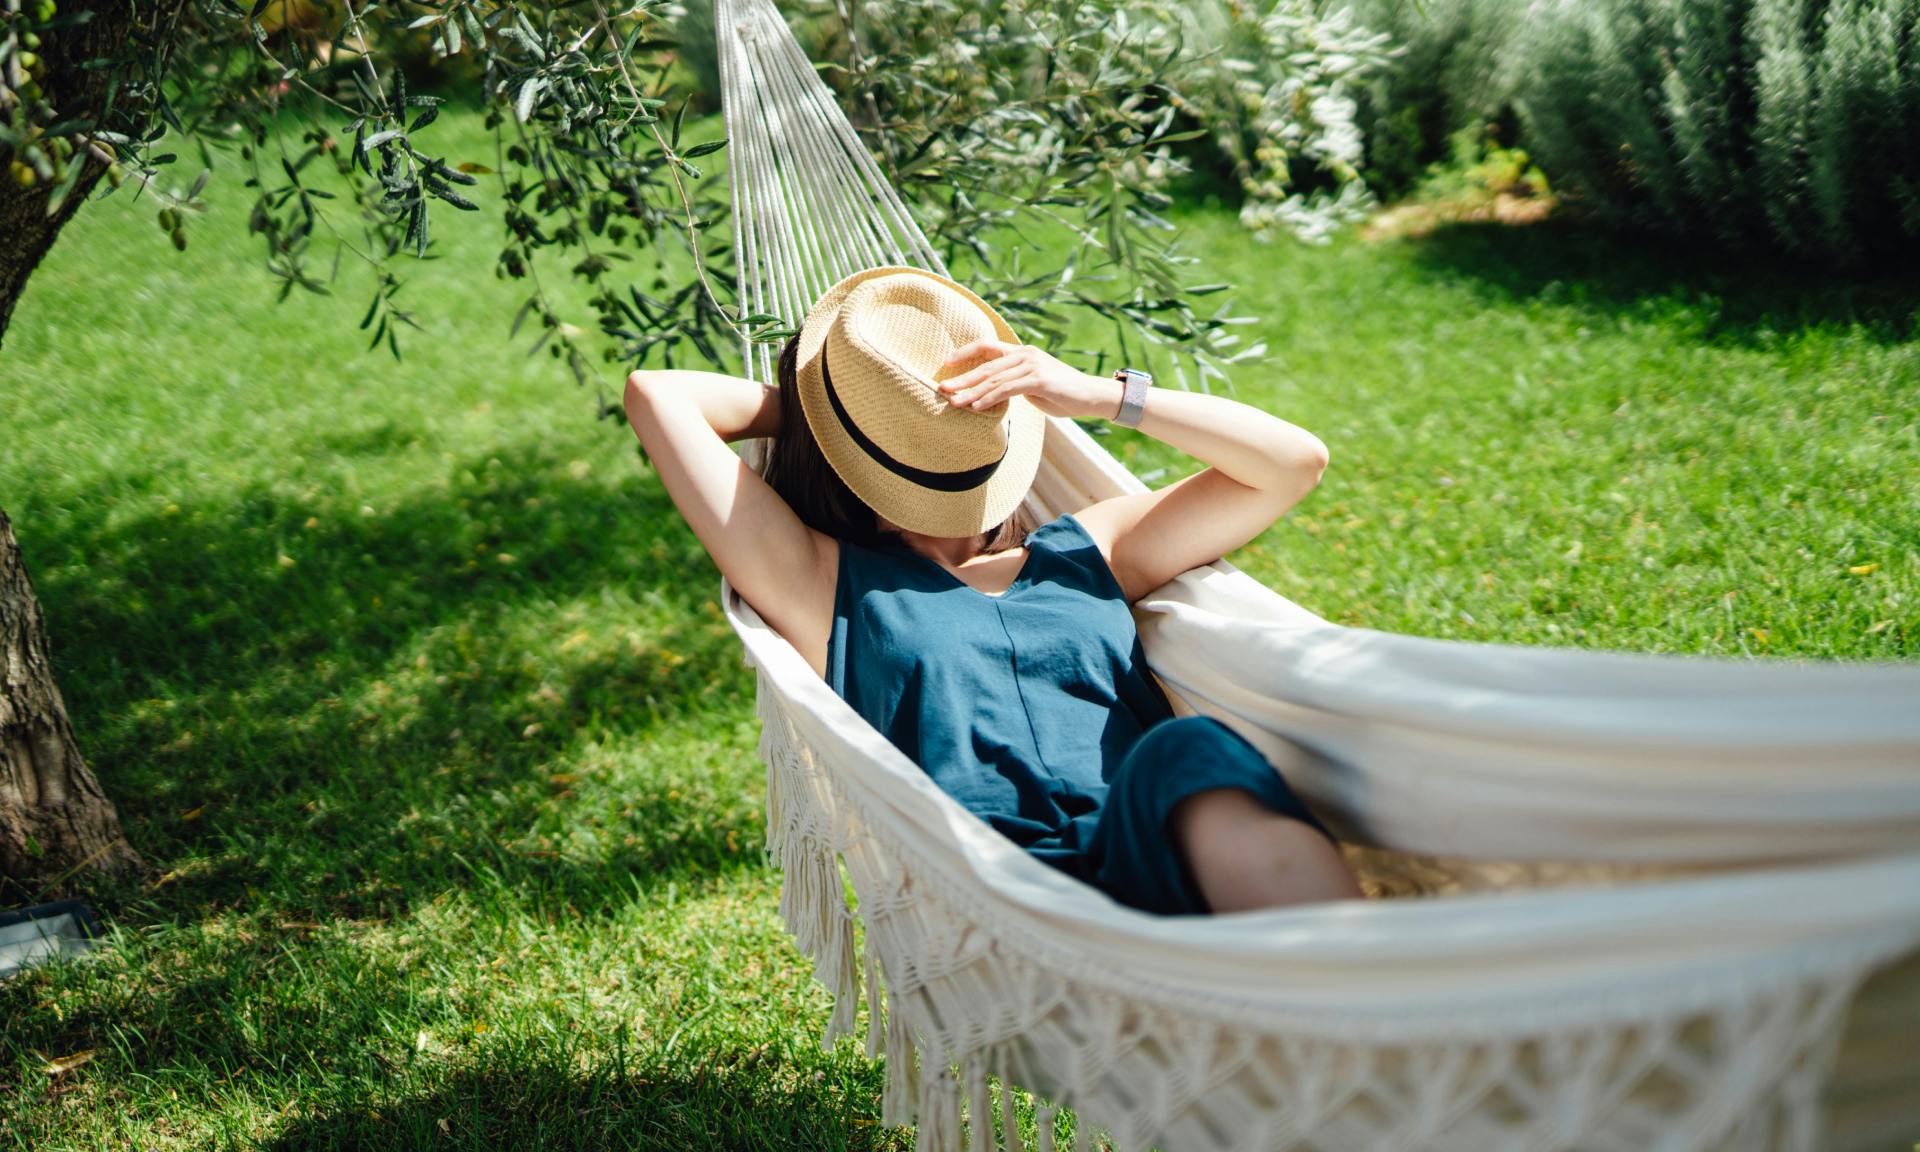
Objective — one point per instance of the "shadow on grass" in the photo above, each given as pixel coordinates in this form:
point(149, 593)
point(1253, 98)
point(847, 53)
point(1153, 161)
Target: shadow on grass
point(334, 710)
point(747, 1106)
point(1734, 300)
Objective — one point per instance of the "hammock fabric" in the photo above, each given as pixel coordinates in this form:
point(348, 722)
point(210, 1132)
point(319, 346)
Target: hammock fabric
point(1666, 879)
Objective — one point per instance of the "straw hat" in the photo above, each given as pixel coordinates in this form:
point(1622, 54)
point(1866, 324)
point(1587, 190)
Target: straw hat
point(870, 353)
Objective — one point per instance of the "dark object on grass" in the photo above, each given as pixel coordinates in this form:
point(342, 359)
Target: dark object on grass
point(44, 931)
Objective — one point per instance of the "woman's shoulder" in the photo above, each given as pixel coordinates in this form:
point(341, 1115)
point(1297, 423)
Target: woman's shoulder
point(1062, 532)
point(1066, 541)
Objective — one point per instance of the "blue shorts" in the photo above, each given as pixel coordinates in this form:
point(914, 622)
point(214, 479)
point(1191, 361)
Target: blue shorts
point(1129, 853)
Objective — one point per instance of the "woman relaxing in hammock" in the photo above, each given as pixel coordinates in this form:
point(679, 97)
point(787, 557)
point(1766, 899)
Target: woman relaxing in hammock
point(885, 544)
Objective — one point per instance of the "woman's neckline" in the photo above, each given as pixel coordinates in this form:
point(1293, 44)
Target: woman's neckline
point(961, 582)
point(1019, 576)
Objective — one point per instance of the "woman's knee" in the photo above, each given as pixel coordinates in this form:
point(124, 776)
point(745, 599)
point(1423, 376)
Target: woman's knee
point(1214, 816)
point(1242, 855)
point(1172, 741)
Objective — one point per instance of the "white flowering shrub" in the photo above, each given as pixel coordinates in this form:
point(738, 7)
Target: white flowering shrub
point(1277, 91)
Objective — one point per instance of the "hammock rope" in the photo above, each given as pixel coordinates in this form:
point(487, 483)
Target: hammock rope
point(810, 205)
point(1667, 880)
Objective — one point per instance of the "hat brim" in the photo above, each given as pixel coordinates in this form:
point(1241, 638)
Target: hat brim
point(899, 500)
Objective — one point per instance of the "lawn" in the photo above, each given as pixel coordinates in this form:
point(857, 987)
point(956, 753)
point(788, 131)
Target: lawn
point(414, 692)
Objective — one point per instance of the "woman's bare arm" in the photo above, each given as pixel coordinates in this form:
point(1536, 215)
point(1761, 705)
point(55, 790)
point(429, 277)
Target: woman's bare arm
point(783, 568)
point(1259, 466)
point(734, 407)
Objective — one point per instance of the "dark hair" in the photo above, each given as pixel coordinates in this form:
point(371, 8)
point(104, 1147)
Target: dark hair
point(799, 472)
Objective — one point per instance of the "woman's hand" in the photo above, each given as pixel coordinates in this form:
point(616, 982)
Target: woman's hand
point(1013, 370)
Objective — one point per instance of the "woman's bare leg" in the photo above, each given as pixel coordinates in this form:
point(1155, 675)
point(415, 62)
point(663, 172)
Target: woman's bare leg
point(1243, 856)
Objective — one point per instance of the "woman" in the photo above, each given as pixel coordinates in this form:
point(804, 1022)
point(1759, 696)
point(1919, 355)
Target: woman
point(885, 545)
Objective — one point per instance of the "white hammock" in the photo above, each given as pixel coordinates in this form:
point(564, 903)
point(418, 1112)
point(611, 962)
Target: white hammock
point(1745, 838)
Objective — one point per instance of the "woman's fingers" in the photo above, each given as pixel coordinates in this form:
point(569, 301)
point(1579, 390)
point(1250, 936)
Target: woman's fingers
point(975, 377)
point(1014, 370)
point(1000, 357)
point(968, 395)
point(992, 349)
point(1013, 382)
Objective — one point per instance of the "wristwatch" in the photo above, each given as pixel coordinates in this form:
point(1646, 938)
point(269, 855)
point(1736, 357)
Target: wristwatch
point(1133, 396)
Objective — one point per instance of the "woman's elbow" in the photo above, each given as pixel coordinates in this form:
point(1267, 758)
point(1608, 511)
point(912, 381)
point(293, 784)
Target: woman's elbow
point(640, 384)
point(1300, 461)
point(641, 400)
point(643, 388)
point(1313, 460)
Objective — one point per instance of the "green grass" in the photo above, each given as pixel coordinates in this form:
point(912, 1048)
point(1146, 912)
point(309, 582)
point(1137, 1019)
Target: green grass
point(412, 688)
point(1545, 437)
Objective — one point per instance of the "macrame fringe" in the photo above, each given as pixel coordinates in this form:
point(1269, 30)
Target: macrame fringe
point(876, 1019)
point(898, 1103)
point(813, 902)
point(972, 1111)
point(779, 748)
point(1009, 1120)
point(979, 1108)
point(1044, 1118)
point(939, 1113)
point(814, 907)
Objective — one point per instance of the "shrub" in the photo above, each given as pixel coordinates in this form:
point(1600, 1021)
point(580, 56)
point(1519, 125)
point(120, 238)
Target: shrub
point(1793, 123)
point(1478, 169)
point(1450, 73)
point(1276, 90)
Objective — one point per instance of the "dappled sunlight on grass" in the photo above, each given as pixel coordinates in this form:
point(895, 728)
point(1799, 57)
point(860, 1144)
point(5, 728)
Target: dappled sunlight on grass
point(463, 659)
point(414, 691)
point(639, 1013)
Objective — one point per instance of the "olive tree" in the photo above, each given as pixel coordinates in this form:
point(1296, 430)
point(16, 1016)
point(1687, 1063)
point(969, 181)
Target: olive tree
point(997, 119)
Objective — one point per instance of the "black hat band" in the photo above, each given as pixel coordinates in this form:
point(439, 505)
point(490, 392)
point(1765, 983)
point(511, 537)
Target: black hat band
point(937, 481)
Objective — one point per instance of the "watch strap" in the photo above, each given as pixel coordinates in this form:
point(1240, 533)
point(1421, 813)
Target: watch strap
point(1133, 396)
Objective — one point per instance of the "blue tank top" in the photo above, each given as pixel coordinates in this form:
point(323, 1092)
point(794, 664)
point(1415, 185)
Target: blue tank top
point(1018, 705)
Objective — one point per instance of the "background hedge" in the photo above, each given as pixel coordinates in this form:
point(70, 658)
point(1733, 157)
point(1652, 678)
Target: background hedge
point(1786, 124)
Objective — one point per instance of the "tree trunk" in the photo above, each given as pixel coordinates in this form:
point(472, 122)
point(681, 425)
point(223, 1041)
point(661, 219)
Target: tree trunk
point(55, 822)
point(27, 229)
